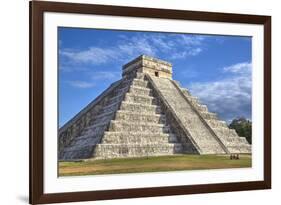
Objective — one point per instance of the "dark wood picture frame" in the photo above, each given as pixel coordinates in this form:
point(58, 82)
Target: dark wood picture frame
point(37, 9)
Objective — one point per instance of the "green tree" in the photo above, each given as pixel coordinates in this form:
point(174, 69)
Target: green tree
point(243, 127)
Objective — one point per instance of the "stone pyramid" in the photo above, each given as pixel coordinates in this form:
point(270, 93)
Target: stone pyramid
point(146, 113)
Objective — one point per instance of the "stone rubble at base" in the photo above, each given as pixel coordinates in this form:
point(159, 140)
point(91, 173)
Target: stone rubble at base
point(146, 113)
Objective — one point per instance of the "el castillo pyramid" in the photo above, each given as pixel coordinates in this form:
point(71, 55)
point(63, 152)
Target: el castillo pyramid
point(146, 113)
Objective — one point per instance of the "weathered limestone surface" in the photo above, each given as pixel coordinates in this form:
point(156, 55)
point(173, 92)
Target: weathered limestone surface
point(149, 65)
point(146, 113)
point(130, 124)
point(227, 136)
point(83, 143)
point(199, 132)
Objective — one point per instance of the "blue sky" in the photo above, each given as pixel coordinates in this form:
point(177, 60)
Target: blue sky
point(217, 69)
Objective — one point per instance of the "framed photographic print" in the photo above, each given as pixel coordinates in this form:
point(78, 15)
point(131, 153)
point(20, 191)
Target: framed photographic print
point(134, 102)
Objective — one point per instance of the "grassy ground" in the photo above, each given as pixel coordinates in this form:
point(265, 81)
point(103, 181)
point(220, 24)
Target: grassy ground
point(152, 164)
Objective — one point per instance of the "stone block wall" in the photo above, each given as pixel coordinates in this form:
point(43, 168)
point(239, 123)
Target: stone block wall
point(149, 65)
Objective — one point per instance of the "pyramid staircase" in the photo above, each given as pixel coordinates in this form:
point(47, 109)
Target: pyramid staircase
point(130, 124)
point(211, 134)
point(229, 137)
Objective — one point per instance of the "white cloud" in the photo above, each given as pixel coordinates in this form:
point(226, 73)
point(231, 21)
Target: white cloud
point(192, 40)
point(163, 42)
point(126, 48)
point(230, 97)
point(184, 54)
point(93, 55)
point(94, 79)
point(244, 67)
point(136, 46)
point(67, 68)
point(195, 51)
point(81, 84)
point(106, 75)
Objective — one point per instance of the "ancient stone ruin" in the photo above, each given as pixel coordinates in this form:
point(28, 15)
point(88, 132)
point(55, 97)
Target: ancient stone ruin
point(146, 113)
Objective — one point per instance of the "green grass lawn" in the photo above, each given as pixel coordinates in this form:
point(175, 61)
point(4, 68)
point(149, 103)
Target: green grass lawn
point(152, 164)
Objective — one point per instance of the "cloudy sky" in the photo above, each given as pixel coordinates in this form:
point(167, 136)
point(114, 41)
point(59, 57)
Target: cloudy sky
point(217, 69)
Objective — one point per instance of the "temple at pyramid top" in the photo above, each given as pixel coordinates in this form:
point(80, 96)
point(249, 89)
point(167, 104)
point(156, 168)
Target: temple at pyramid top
point(149, 65)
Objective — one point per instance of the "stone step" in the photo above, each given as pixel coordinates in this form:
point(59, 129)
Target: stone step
point(116, 98)
point(200, 108)
point(103, 114)
point(186, 92)
point(140, 90)
point(209, 115)
point(216, 123)
point(137, 107)
point(121, 90)
point(225, 132)
point(167, 91)
point(139, 117)
point(207, 150)
point(73, 154)
point(177, 82)
point(140, 83)
point(126, 82)
point(243, 140)
point(142, 99)
point(166, 88)
point(138, 127)
point(240, 148)
point(83, 141)
point(111, 107)
point(193, 100)
point(140, 76)
point(95, 129)
point(209, 147)
point(234, 140)
point(133, 150)
point(123, 87)
point(120, 138)
point(136, 138)
point(106, 116)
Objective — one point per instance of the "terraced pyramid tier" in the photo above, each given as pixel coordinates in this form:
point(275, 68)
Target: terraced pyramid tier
point(211, 135)
point(139, 127)
point(229, 137)
point(130, 124)
point(146, 113)
point(97, 121)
